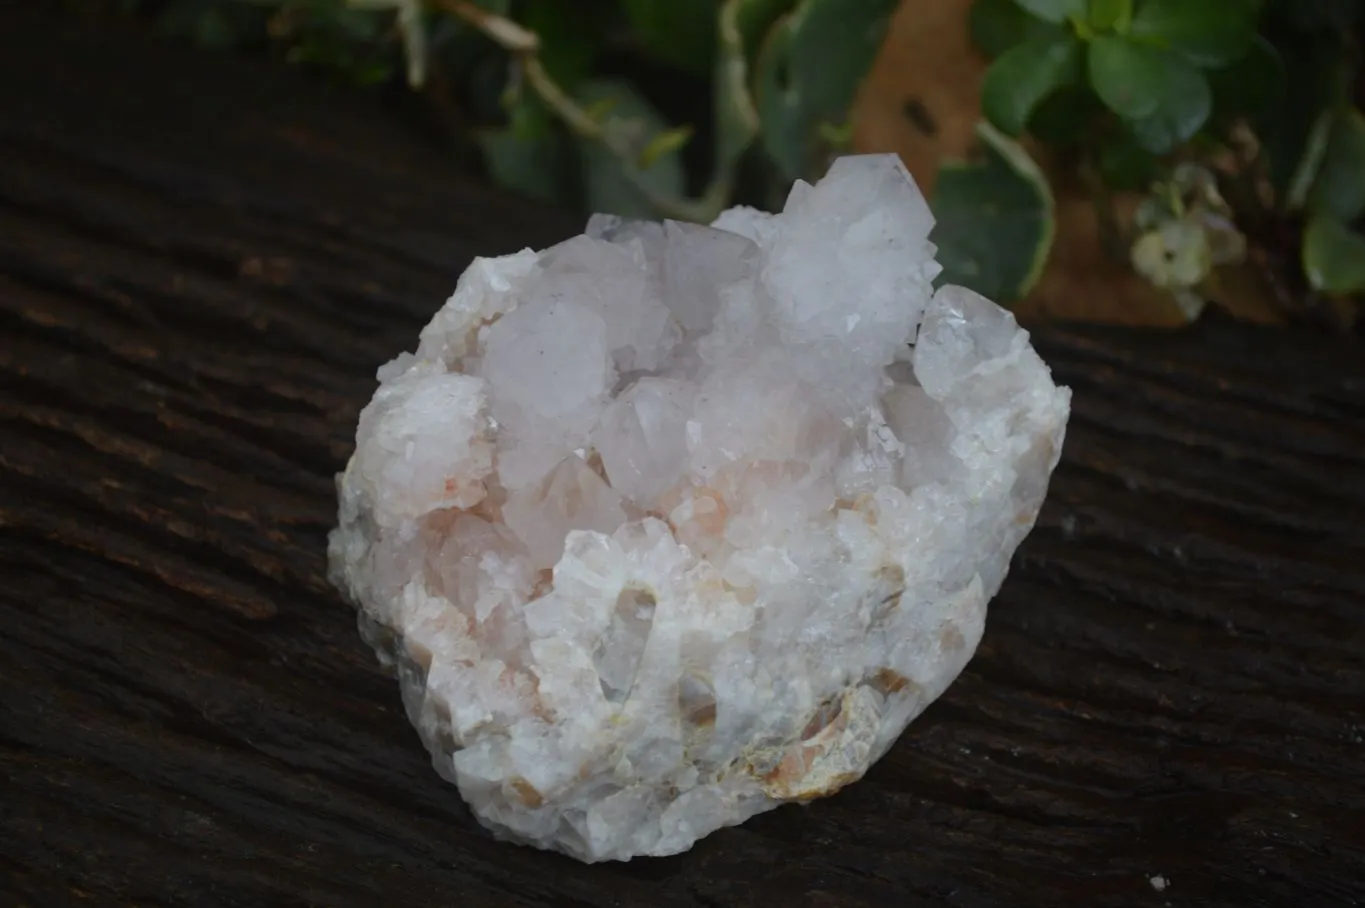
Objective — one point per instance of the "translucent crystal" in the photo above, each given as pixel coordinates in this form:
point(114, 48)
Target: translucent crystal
point(669, 524)
point(642, 438)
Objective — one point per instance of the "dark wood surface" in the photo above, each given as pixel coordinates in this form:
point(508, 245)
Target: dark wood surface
point(203, 260)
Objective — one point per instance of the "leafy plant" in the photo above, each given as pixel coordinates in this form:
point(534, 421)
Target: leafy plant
point(539, 85)
point(784, 72)
point(1191, 98)
point(1238, 119)
point(995, 218)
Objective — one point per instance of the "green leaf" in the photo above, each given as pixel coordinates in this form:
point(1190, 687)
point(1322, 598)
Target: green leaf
point(528, 117)
point(681, 33)
point(1288, 130)
point(214, 29)
point(755, 18)
point(666, 142)
point(1164, 98)
point(837, 136)
point(212, 24)
point(533, 167)
point(343, 40)
point(995, 220)
point(528, 156)
point(600, 109)
point(1252, 86)
point(608, 186)
point(1333, 257)
point(1053, 10)
point(736, 117)
point(1339, 190)
point(998, 25)
point(1125, 165)
point(780, 113)
point(834, 44)
point(1104, 15)
point(1065, 117)
point(1305, 175)
point(1128, 77)
point(1019, 81)
point(1185, 108)
point(462, 54)
point(569, 39)
point(1207, 32)
point(809, 68)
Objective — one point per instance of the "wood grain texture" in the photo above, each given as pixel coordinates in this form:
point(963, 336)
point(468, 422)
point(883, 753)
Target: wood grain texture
point(203, 261)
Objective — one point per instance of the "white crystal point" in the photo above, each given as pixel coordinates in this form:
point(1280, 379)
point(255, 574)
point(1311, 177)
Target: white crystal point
point(668, 524)
point(642, 438)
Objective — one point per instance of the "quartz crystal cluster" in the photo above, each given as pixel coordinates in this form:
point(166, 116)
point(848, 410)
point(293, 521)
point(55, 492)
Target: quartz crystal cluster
point(669, 524)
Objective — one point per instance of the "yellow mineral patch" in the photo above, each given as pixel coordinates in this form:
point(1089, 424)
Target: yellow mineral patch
point(834, 756)
point(950, 638)
point(886, 681)
point(526, 792)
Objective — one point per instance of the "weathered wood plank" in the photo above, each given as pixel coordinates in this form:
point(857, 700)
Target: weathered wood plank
point(203, 260)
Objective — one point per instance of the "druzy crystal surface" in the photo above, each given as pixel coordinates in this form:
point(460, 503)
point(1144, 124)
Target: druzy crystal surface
point(668, 524)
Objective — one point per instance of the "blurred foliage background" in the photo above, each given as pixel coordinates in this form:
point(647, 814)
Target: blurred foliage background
point(1119, 160)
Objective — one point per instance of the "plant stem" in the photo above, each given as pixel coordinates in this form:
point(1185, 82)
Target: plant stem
point(525, 46)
